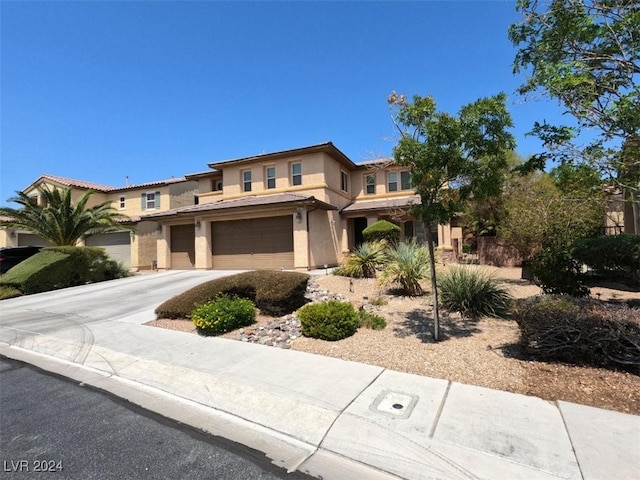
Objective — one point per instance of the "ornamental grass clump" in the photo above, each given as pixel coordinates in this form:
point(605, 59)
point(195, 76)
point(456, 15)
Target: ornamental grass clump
point(223, 315)
point(473, 293)
point(364, 261)
point(332, 320)
point(407, 265)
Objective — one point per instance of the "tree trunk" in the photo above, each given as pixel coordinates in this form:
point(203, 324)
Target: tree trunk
point(434, 284)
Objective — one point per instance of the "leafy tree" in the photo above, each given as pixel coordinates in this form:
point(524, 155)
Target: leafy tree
point(58, 219)
point(483, 215)
point(450, 158)
point(539, 214)
point(586, 54)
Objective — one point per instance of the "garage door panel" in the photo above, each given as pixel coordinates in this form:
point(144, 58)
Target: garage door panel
point(29, 239)
point(253, 243)
point(117, 245)
point(183, 250)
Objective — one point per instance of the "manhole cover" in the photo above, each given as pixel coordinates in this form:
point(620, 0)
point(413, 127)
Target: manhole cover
point(394, 404)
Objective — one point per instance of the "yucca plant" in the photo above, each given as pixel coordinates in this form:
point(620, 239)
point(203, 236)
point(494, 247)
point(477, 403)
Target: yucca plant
point(407, 264)
point(364, 260)
point(473, 293)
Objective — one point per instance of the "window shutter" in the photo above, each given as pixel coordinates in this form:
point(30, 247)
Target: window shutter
point(157, 199)
point(144, 201)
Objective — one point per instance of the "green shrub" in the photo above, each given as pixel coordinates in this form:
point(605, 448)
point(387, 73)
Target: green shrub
point(363, 261)
point(332, 320)
point(61, 267)
point(557, 273)
point(9, 292)
point(474, 293)
point(579, 330)
point(407, 264)
point(273, 292)
point(223, 314)
point(382, 230)
point(371, 320)
point(616, 257)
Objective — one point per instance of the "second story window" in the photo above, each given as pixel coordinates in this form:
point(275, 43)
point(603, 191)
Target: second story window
point(405, 180)
point(150, 200)
point(344, 181)
point(392, 182)
point(246, 181)
point(270, 175)
point(370, 184)
point(296, 174)
point(122, 203)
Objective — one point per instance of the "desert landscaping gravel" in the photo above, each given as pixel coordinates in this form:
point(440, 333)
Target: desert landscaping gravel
point(484, 353)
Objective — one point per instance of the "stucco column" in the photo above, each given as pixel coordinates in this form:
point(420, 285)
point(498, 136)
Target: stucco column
point(164, 259)
point(300, 240)
point(8, 237)
point(203, 251)
point(134, 249)
point(344, 239)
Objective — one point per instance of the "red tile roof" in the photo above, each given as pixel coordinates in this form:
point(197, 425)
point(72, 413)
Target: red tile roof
point(70, 182)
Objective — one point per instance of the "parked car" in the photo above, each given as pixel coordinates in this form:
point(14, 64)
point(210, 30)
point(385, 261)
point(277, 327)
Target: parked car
point(11, 256)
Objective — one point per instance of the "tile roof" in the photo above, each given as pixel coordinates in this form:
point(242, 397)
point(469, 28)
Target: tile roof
point(70, 182)
point(394, 202)
point(248, 201)
point(327, 147)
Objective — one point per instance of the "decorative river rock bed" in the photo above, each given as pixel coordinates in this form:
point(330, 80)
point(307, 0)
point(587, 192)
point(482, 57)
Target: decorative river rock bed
point(280, 332)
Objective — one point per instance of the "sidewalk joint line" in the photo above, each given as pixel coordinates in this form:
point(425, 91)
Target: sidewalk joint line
point(439, 412)
point(566, 429)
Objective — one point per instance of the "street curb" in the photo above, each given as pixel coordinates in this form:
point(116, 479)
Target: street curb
point(283, 450)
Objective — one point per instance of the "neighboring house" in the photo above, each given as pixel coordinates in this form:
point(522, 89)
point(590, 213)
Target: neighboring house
point(295, 209)
point(134, 249)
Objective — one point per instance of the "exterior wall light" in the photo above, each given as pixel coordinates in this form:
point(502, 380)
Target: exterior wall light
point(299, 211)
point(197, 224)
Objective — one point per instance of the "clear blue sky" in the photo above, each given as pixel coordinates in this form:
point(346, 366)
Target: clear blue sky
point(102, 90)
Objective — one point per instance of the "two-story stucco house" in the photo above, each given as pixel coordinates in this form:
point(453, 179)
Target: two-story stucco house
point(295, 209)
point(134, 249)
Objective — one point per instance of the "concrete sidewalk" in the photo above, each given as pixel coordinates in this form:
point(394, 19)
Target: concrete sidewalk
point(332, 418)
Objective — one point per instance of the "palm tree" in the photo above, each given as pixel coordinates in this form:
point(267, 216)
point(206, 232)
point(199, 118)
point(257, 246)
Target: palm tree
point(59, 220)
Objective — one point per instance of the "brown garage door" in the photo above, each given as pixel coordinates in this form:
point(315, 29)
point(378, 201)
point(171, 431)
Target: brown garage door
point(261, 243)
point(183, 250)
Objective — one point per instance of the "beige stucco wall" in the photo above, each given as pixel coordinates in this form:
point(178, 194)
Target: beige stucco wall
point(6, 238)
point(182, 194)
point(144, 246)
point(76, 193)
point(171, 196)
point(326, 238)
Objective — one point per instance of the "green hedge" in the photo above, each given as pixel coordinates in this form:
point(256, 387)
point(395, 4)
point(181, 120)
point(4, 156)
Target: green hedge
point(332, 320)
point(382, 230)
point(616, 257)
point(60, 267)
point(273, 292)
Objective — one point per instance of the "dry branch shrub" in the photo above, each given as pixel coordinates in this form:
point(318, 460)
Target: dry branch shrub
point(582, 331)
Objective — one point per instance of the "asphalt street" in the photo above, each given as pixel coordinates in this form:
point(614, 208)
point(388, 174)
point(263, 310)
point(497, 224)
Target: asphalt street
point(52, 428)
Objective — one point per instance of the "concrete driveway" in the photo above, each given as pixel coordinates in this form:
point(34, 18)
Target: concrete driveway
point(131, 300)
